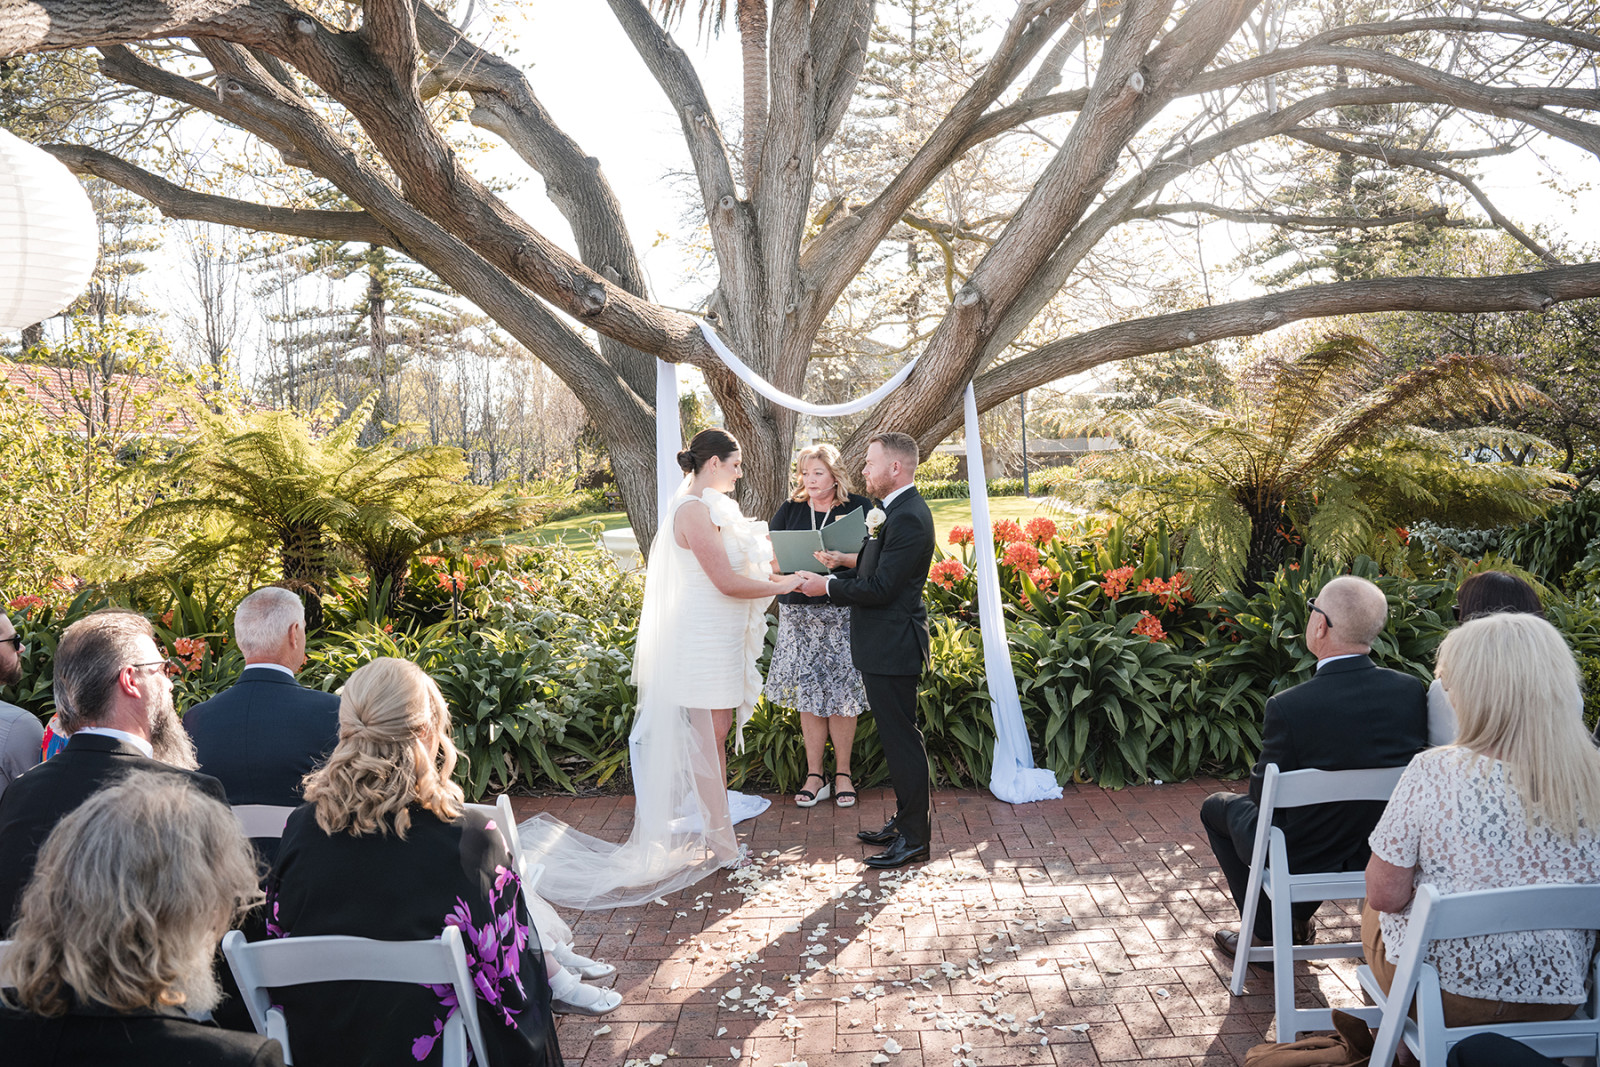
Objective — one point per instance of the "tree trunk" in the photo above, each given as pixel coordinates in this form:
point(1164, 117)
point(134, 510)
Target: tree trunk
point(1269, 544)
point(304, 558)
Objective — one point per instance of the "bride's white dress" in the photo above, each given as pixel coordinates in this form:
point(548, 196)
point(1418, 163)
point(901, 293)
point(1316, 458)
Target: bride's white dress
point(697, 649)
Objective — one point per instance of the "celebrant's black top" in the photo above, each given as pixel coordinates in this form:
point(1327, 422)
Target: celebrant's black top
point(799, 515)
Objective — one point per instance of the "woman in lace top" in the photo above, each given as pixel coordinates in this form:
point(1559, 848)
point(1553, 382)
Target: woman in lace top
point(1514, 801)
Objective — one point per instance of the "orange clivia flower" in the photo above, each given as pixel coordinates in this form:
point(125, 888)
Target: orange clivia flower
point(1041, 530)
point(961, 535)
point(1006, 531)
point(1021, 554)
point(946, 573)
point(1149, 626)
point(1042, 577)
point(1116, 582)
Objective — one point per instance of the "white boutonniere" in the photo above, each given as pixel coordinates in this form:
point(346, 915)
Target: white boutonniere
point(875, 519)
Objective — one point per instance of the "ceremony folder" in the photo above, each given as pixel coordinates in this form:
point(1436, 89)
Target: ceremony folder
point(794, 548)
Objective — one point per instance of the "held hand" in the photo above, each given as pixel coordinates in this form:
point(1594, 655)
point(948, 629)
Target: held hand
point(814, 584)
point(787, 583)
point(833, 560)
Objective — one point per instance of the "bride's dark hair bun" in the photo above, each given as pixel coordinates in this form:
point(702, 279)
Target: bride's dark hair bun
point(706, 444)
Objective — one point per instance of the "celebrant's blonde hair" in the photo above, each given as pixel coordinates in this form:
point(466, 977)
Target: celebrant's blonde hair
point(828, 456)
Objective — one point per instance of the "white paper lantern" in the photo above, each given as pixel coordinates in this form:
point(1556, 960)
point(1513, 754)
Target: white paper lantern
point(48, 239)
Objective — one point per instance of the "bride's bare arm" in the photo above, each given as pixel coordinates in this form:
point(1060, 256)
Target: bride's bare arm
point(695, 531)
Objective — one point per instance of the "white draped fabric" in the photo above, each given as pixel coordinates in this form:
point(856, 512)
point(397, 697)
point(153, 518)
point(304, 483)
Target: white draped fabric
point(1014, 779)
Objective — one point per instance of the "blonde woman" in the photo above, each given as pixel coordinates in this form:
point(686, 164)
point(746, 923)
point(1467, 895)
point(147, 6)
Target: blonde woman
point(117, 933)
point(811, 669)
point(1515, 800)
point(382, 849)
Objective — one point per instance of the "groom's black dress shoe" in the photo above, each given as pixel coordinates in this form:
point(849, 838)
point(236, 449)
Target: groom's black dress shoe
point(899, 854)
point(880, 837)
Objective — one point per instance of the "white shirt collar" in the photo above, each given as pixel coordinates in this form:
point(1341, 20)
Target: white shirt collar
point(269, 667)
point(890, 498)
point(121, 735)
point(1348, 655)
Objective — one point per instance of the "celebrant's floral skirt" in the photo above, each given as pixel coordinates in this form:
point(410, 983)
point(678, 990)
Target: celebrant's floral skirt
point(811, 669)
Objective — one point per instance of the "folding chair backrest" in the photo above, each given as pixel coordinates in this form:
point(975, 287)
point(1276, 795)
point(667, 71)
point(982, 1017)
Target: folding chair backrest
point(5, 950)
point(1436, 916)
point(261, 820)
point(1506, 911)
point(291, 961)
point(1296, 789)
point(505, 820)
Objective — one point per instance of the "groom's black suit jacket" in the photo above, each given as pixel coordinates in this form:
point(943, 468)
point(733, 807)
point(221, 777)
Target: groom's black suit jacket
point(888, 623)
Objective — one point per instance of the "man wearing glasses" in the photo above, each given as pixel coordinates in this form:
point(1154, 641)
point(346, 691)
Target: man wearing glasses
point(114, 697)
point(1351, 714)
point(21, 734)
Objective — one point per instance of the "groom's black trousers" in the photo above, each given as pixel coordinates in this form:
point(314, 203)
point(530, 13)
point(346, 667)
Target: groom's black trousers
point(893, 699)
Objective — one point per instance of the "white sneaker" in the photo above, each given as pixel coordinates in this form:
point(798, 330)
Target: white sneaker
point(577, 961)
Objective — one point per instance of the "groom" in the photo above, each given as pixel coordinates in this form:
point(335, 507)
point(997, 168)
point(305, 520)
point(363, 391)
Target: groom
point(889, 636)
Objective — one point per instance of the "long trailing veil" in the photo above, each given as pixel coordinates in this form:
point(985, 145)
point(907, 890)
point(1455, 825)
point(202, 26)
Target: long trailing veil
point(681, 829)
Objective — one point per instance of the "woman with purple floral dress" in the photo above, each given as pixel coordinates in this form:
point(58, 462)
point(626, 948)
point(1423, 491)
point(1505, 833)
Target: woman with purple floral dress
point(383, 850)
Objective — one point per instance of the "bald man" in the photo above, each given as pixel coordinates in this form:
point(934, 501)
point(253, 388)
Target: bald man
point(1351, 714)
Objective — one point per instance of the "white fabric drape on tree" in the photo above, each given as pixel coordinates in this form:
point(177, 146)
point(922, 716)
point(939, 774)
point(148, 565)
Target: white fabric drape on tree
point(1014, 779)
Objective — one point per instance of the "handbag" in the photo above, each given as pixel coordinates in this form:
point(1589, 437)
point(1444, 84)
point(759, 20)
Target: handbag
point(1350, 1045)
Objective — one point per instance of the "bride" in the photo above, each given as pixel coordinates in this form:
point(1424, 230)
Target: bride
point(700, 633)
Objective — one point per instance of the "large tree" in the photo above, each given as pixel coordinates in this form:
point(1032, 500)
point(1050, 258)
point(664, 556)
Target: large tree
point(1151, 110)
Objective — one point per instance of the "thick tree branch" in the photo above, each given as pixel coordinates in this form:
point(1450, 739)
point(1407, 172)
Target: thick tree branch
point(1518, 104)
point(837, 254)
point(1436, 215)
point(505, 105)
point(1533, 31)
point(839, 59)
point(176, 202)
point(1534, 291)
point(48, 25)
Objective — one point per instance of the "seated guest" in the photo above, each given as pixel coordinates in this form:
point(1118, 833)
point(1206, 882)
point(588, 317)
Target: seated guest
point(114, 697)
point(114, 944)
point(1351, 714)
point(1483, 593)
point(21, 735)
point(1515, 800)
point(382, 849)
point(260, 737)
point(1495, 1050)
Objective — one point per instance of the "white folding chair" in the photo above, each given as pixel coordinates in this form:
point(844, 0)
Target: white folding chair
point(1436, 916)
point(261, 820)
point(289, 961)
point(5, 949)
point(1270, 874)
point(506, 822)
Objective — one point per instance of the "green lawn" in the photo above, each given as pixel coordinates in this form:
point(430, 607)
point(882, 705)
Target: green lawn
point(946, 513)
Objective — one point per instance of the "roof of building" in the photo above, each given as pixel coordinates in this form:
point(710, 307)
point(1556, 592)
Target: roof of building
point(81, 401)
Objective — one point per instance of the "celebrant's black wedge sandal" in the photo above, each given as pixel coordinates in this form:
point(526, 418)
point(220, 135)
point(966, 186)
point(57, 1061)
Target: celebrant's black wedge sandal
point(844, 798)
point(811, 798)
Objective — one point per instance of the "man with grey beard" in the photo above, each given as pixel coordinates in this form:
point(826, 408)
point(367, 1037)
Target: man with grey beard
point(114, 699)
point(21, 734)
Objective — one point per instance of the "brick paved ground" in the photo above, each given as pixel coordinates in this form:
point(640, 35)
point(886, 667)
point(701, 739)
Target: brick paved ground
point(1088, 918)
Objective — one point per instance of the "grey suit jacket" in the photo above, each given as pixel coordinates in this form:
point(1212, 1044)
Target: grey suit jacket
point(21, 735)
